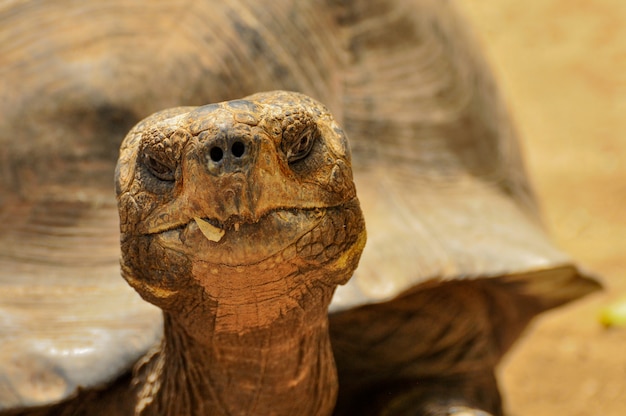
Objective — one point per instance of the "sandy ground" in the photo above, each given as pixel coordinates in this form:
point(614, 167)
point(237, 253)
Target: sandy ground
point(562, 67)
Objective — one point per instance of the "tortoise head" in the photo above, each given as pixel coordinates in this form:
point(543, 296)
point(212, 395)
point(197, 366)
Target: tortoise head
point(251, 201)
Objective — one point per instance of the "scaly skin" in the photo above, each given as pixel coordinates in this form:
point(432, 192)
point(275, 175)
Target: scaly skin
point(238, 220)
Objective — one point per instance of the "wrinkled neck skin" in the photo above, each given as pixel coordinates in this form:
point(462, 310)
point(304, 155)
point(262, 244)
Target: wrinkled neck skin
point(284, 367)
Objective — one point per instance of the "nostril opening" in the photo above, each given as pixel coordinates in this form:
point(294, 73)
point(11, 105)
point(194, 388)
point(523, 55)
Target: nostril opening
point(216, 154)
point(238, 149)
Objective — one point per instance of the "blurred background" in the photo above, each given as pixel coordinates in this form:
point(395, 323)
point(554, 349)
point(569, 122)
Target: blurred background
point(561, 65)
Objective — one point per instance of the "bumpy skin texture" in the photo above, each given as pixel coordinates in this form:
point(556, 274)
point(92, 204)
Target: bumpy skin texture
point(239, 220)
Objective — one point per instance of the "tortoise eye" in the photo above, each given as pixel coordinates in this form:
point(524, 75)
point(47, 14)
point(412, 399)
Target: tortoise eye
point(159, 169)
point(301, 148)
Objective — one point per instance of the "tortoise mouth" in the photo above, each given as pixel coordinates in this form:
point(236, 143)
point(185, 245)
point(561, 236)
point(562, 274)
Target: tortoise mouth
point(213, 229)
point(240, 242)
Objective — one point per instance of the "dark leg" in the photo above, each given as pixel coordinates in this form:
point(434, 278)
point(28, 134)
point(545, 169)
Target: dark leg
point(429, 352)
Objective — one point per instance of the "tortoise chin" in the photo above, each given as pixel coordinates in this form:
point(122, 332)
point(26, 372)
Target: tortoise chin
point(286, 252)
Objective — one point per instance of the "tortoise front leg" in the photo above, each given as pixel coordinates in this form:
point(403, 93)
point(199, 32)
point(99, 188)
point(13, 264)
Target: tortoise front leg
point(432, 351)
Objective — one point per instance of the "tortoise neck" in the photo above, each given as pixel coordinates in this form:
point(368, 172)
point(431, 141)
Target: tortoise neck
point(283, 369)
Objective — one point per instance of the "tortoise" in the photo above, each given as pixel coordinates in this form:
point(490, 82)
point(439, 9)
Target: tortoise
point(457, 262)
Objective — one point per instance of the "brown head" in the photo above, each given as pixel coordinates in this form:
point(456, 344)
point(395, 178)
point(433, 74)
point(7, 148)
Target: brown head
point(245, 210)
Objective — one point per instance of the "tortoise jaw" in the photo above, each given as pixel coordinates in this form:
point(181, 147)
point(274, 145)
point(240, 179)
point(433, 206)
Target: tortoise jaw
point(314, 234)
point(214, 230)
point(237, 242)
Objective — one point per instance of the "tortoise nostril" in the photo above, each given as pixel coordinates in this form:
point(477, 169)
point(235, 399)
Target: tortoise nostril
point(238, 149)
point(216, 154)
